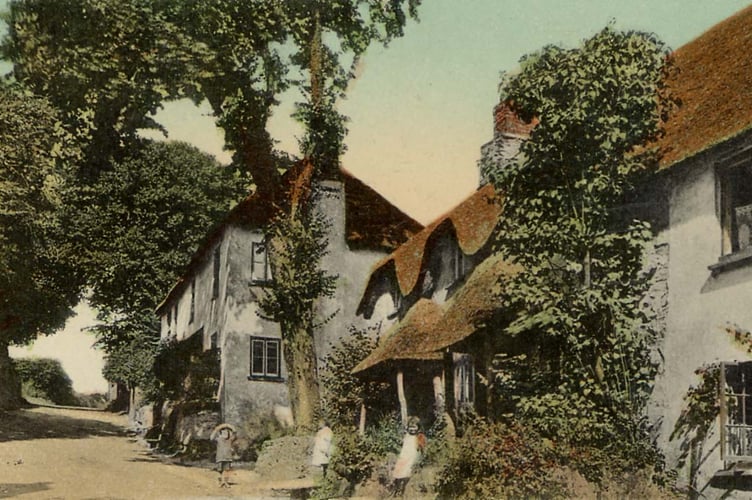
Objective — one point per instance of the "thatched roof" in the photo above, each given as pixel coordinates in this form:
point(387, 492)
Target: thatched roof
point(405, 340)
point(714, 84)
point(473, 304)
point(427, 329)
point(473, 221)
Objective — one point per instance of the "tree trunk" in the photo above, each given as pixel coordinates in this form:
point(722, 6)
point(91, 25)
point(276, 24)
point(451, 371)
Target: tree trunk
point(401, 397)
point(302, 378)
point(10, 385)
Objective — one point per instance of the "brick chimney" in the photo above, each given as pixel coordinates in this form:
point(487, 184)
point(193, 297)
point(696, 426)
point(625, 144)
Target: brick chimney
point(509, 133)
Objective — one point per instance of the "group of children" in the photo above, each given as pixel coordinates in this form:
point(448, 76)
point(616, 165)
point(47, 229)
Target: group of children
point(413, 443)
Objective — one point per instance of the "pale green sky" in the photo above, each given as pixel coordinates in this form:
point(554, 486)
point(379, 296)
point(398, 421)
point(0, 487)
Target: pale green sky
point(421, 109)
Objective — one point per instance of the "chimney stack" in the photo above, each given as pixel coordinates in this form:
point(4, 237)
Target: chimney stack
point(509, 133)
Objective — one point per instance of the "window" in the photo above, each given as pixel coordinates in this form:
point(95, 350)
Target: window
point(736, 412)
point(169, 323)
point(458, 264)
point(736, 208)
point(175, 317)
point(398, 300)
point(464, 379)
point(214, 341)
point(260, 272)
point(265, 359)
point(193, 300)
point(215, 276)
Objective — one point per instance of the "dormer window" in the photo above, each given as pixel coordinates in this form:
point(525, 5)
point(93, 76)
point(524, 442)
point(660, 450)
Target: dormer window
point(458, 264)
point(260, 271)
point(397, 299)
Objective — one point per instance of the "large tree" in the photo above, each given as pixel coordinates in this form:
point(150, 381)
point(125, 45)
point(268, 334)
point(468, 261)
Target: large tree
point(38, 285)
point(115, 62)
point(106, 64)
point(598, 108)
point(145, 217)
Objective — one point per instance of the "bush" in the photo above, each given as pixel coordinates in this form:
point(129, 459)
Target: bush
point(357, 458)
point(95, 400)
point(44, 378)
point(344, 393)
point(496, 460)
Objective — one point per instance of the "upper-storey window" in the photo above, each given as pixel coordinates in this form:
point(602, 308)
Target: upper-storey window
point(215, 275)
point(260, 272)
point(736, 208)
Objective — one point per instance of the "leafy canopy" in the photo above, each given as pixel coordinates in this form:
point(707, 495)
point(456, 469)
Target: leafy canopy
point(106, 64)
point(38, 285)
point(578, 297)
point(110, 64)
point(144, 219)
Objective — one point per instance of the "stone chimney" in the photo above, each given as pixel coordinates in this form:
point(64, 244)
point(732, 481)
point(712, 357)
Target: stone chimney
point(509, 133)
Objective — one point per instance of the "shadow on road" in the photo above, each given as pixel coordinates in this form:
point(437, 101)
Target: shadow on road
point(24, 425)
point(13, 490)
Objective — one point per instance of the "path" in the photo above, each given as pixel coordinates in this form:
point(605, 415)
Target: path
point(68, 454)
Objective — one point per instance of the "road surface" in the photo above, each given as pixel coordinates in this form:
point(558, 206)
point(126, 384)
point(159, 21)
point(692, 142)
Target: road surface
point(52, 453)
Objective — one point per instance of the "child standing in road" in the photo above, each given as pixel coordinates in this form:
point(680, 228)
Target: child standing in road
point(224, 435)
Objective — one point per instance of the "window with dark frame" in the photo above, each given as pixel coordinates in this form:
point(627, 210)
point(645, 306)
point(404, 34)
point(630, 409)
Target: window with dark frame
point(215, 276)
point(736, 412)
point(260, 272)
point(735, 184)
point(265, 358)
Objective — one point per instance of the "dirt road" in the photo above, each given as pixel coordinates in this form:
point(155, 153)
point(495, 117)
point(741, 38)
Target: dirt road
point(70, 454)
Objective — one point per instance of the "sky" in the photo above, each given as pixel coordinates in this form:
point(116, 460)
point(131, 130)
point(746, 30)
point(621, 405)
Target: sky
point(421, 108)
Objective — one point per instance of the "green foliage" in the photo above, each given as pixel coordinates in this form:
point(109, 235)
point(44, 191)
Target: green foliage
point(329, 37)
point(297, 245)
point(107, 64)
point(38, 283)
point(46, 379)
point(297, 241)
point(138, 225)
point(185, 372)
point(496, 460)
point(356, 458)
point(110, 64)
point(132, 363)
point(588, 371)
point(344, 393)
point(145, 218)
